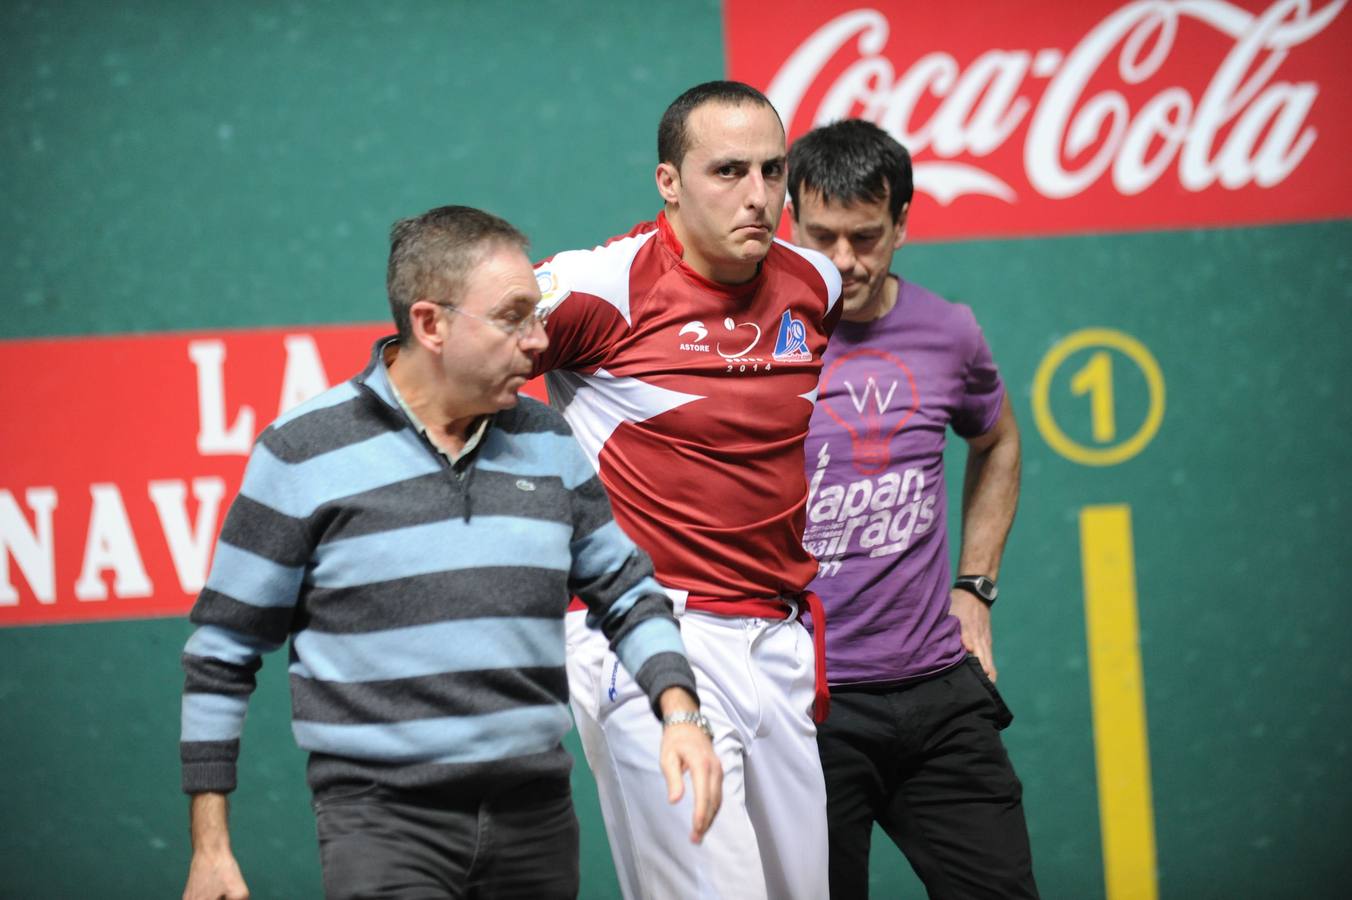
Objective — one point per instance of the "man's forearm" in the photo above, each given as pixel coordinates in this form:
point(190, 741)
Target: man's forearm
point(676, 700)
point(990, 494)
point(213, 874)
point(209, 822)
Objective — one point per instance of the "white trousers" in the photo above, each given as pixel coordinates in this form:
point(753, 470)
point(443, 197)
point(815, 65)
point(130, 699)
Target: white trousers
point(755, 679)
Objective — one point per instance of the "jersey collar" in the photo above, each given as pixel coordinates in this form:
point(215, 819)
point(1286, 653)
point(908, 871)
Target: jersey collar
point(667, 235)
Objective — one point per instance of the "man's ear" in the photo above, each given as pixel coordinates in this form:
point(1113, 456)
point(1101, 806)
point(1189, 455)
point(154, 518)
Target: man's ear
point(428, 325)
point(901, 225)
point(792, 215)
point(668, 182)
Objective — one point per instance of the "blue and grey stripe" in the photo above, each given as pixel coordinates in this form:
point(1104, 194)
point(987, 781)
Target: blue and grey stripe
point(459, 646)
point(449, 740)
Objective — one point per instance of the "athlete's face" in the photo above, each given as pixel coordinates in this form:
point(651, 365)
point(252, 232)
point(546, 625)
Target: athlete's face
point(485, 357)
point(859, 239)
point(725, 200)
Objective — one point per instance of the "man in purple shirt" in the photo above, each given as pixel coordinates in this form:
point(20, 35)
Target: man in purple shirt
point(913, 739)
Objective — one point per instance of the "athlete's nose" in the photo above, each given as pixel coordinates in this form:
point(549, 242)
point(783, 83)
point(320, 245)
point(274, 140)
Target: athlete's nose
point(757, 195)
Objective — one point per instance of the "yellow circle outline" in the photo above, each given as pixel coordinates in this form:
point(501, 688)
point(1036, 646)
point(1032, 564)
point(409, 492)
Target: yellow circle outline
point(1042, 411)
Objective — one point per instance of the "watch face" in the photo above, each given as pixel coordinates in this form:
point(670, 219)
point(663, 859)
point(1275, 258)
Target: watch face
point(980, 585)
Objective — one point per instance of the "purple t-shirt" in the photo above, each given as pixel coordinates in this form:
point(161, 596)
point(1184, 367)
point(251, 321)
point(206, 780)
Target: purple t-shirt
point(876, 513)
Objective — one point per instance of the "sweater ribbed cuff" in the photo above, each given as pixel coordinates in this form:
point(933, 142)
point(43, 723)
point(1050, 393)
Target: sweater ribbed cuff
point(200, 777)
point(662, 671)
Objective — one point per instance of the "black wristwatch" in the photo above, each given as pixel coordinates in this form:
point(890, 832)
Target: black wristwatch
point(983, 587)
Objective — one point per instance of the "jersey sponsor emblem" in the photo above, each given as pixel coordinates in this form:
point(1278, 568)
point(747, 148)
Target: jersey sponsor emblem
point(552, 289)
point(525, 484)
point(739, 329)
point(696, 330)
point(791, 342)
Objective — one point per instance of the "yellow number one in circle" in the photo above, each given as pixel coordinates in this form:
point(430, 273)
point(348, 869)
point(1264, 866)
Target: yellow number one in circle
point(1118, 692)
point(1096, 380)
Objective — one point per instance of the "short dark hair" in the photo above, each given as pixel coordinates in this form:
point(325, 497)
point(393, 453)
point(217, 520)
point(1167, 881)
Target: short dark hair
point(673, 138)
point(432, 254)
point(848, 162)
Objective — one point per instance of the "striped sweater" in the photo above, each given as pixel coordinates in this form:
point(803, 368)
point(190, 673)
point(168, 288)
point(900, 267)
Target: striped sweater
point(424, 600)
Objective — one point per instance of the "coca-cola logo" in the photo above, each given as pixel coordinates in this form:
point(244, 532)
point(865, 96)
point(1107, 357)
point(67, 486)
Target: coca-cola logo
point(1182, 96)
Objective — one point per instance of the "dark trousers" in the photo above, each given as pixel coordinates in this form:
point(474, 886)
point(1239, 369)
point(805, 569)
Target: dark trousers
point(374, 843)
point(925, 761)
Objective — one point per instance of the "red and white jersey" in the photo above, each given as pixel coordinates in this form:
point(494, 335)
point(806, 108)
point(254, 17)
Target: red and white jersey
point(692, 399)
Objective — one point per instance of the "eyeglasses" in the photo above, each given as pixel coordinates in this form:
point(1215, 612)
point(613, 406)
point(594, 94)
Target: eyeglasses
point(520, 328)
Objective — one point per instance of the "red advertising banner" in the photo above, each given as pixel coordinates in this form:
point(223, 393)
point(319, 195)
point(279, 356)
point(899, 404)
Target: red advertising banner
point(121, 455)
point(1044, 117)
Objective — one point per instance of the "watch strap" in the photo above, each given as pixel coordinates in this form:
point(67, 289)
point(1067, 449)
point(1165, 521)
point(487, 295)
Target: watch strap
point(690, 718)
point(983, 588)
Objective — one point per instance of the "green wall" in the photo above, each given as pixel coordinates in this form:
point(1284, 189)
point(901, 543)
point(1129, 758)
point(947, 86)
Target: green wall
point(166, 167)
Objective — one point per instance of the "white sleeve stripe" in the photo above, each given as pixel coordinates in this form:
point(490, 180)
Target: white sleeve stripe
point(601, 272)
point(596, 404)
point(823, 266)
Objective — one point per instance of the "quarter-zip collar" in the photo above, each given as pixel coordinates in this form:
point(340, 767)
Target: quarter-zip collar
point(374, 382)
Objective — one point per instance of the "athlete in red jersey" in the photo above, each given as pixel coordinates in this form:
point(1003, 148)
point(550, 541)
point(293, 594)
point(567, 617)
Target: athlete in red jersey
point(692, 398)
point(685, 356)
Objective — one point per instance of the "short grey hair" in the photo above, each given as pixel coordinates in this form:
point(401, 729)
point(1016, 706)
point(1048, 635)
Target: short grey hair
point(431, 255)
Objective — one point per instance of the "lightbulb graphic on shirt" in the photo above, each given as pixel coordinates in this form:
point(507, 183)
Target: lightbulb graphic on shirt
point(880, 396)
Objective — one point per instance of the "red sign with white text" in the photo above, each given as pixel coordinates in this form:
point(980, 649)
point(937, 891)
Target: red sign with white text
point(120, 455)
point(1046, 117)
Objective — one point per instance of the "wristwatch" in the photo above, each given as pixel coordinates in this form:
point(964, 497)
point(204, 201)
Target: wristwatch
point(690, 718)
point(983, 587)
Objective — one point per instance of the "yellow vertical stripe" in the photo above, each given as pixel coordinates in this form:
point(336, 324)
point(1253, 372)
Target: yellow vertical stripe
point(1121, 749)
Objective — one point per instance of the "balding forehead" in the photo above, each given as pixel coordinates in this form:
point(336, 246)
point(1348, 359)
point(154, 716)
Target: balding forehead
point(746, 109)
point(721, 127)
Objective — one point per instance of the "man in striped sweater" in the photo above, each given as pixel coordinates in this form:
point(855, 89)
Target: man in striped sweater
point(416, 532)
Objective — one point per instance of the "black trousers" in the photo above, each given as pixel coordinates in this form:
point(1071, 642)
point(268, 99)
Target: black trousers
point(925, 761)
point(376, 843)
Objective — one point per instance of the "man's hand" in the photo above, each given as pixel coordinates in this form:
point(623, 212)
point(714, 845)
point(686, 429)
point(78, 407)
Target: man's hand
point(213, 874)
point(975, 619)
point(686, 748)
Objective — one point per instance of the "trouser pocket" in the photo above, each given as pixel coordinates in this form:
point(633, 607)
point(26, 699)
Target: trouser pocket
point(1002, 714)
